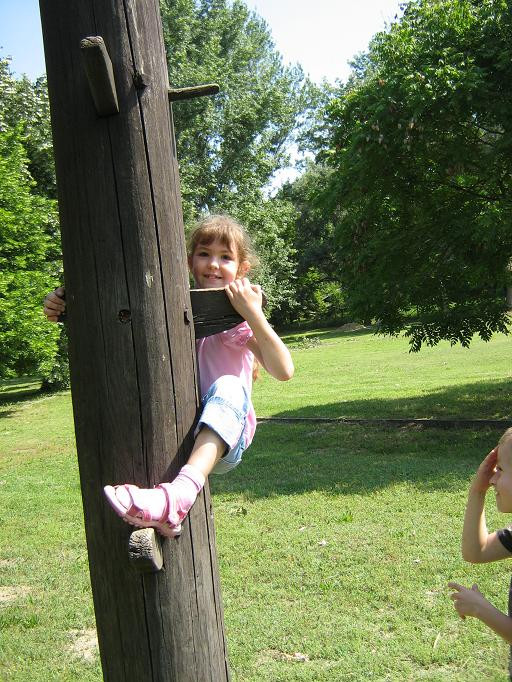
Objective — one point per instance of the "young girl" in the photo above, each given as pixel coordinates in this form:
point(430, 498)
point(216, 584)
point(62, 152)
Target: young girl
point(478, 545)
point(219, 255)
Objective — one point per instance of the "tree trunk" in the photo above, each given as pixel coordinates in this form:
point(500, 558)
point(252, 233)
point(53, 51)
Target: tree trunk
point(131, 342)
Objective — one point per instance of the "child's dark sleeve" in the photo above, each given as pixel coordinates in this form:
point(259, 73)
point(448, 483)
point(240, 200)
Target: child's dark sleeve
point(505, 537)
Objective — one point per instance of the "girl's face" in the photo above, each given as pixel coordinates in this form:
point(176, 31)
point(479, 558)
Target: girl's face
point(502, 477)
point(215, 265)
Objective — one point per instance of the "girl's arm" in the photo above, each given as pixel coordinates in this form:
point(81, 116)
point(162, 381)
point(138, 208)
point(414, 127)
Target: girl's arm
point(473, 603)
point(269, 350)
point(266, 345)
point(478, 545)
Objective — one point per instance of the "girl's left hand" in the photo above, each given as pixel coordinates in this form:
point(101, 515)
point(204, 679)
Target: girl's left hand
point(246, 298)
point(467, 602)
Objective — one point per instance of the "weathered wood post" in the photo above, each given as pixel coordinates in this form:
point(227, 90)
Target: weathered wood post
point(131, 340)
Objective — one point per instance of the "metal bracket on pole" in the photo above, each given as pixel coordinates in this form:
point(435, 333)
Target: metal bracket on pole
point(100, 75)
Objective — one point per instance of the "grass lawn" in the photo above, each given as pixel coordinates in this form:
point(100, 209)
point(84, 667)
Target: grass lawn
point(360, 374)
point(335, 542)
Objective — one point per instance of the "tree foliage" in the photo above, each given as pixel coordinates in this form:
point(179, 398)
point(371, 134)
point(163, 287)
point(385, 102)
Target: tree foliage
point(317, 288)
point(270, 223)
point(230, 145)
point(25, 105)
point(419, 143)
point(29, 235)
point(28, 227)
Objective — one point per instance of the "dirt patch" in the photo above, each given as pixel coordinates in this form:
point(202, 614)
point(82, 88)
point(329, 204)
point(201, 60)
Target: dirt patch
point(10, 594)
point(9, 563)
point(351, 327)
point(85, 644)
point(412, 426)
point(297, 657)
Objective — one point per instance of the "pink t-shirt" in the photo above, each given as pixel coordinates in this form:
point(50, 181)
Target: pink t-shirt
point(227, 354)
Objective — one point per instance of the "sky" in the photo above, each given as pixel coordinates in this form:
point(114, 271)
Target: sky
point(322, 35)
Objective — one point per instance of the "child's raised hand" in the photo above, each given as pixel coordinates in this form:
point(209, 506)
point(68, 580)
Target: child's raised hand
point(467, 602)
point(54, 304)
point(481, 482)
point(246, 298)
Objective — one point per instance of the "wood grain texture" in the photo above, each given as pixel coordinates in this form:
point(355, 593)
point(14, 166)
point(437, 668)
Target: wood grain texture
point(131, 351)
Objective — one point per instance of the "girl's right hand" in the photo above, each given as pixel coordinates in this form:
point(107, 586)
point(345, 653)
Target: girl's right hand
point(485, 471)
point(246, 298)
point(54, 304)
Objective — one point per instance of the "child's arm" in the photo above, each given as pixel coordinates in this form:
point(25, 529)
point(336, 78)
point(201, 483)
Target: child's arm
point(478, 545)
point(266, 345)
point(54, 304)
point(473, 603)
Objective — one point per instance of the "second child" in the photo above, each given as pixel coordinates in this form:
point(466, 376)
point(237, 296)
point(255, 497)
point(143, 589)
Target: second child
point(478, 545)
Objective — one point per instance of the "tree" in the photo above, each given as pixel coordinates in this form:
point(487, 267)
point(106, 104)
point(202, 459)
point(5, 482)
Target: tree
point(270, 222)
point(419, 144)
point(29, 233)
point(318, 293)
point(229, 145)
point(28, 227)
point(25, 104)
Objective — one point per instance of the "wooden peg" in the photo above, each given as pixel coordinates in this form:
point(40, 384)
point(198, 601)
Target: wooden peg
point(213, 312)
point(145, 551)
point(176, 94)
point(100, 75)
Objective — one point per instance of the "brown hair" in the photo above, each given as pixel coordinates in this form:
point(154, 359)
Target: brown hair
point(229, 232)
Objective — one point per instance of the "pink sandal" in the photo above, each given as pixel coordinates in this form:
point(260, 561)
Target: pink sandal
point(168, 524)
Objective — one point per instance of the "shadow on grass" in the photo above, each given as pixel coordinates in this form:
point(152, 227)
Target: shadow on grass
point(291, 459)
point(19, 389)
point(14, 392)
point(478, 400)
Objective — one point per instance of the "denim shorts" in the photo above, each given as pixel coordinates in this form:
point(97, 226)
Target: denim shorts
point(225, 409)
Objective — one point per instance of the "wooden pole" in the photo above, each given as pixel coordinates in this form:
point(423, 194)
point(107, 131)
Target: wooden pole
point(133, 377)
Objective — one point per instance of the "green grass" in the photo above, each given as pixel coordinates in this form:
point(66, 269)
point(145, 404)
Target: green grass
point(359, 374)
point(338, 544)
point(335, 542)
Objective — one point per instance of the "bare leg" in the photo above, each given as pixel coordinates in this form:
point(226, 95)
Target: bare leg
point(208, 449)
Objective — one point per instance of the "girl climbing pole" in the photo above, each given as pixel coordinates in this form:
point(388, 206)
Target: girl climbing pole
point(219, 255)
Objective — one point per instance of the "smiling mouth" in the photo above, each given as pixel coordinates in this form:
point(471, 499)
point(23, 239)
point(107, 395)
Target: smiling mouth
point(212, 281)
